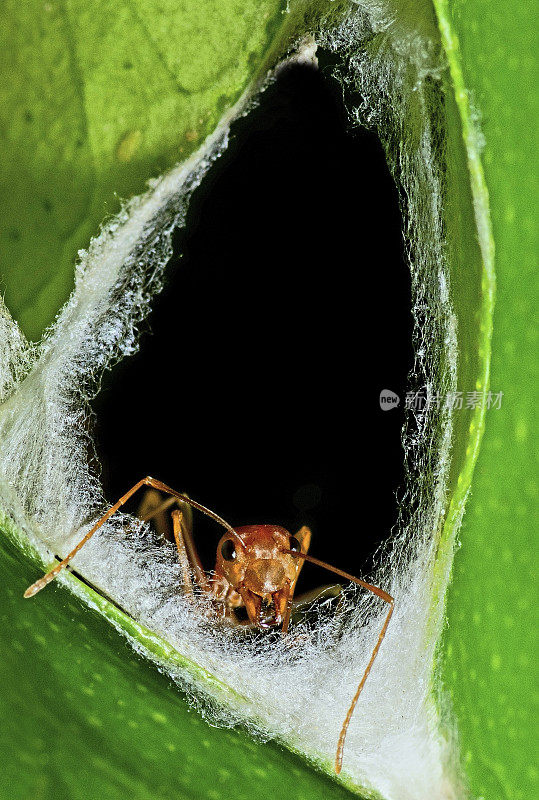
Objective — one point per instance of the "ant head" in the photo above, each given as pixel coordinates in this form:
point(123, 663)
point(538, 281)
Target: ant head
point(261, 563)
point(255, 564)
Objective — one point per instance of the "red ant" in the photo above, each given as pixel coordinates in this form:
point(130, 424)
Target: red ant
point(257, 568)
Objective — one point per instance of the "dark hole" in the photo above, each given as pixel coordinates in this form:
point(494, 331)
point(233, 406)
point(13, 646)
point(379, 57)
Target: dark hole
point(287, 311)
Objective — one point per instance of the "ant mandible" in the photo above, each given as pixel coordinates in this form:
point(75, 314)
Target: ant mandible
point(257, 568)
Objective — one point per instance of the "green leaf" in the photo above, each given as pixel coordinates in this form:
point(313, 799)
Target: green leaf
point(490, 646)
point(96, 98)
point(83, 716)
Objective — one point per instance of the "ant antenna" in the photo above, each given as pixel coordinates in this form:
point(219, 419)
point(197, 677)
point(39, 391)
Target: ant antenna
point(374, 589)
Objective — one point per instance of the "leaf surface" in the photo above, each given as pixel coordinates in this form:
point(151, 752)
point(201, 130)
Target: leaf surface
point(96, 98)
point(491, 644)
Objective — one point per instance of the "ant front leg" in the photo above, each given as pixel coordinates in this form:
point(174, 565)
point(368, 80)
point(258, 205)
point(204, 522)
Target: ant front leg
point(155, 484)
point(178, 526)
point(187, 551)
point(303, 537)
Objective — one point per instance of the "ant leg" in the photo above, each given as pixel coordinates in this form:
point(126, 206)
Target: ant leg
point(147, 481)
point(307, 598)
point(177, 523)
point(304, 538)
point(152, 507)
point(299, 608)
point(187, 548)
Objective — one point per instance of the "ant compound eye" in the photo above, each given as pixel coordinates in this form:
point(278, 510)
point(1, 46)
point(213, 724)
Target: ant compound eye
point(294, 545)
point(228, 550)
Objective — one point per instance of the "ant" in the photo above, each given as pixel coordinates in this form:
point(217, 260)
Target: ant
point(257, 568)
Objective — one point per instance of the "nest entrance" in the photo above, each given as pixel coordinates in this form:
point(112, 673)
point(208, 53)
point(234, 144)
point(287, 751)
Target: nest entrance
point(286, 310)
